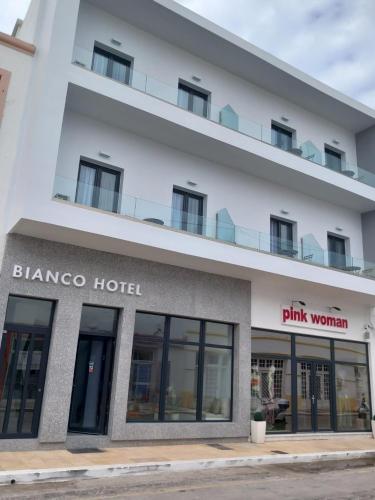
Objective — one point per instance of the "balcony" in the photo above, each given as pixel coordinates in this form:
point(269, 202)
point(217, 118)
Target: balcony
point(227, 117)
point(221, 228)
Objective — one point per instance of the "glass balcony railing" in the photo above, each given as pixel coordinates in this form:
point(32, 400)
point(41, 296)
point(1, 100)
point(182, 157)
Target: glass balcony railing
point(227, 116)
point(220, 228)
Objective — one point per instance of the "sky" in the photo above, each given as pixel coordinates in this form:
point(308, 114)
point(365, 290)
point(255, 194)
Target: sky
point(331, 40)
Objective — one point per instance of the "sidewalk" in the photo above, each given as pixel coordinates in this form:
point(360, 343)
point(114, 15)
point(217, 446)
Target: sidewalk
point(28, 466)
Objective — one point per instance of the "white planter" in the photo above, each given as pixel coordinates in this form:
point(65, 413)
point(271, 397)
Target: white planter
point(258, 432)
point(373, 428)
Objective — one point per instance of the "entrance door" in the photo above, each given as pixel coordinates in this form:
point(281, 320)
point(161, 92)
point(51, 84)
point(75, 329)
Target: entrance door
point(313, 396)
point(91, 385)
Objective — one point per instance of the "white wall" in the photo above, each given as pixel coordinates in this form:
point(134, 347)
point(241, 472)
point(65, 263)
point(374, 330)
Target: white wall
point(19, 65)
point(152, 169)
point(166, 63)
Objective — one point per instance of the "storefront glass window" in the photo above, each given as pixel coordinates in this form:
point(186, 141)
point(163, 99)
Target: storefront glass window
point(217, 384)
point(264, 342)
point(30, 312)
point(145, 372)
point(185, 330)
point(218, 334)
point(312, 347)
point(352, 398)
point(181, 370)
point(271, 392)
point(181, 394)
point(351, 352)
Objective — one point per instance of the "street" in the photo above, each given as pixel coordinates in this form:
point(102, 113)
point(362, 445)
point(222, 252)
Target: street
point(344, 480)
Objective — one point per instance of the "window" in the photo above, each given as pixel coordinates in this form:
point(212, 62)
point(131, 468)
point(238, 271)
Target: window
point(282, 237)
point(352, 397)
point(187, 211)
point(282, 137)
point(330, 381)
point(23, 360)
point(181, 370)
point(263, 342)
point(333, 159)
point(193, 100)
point(107, 63)
point(312, 347)
point(98, 187)
point(337, 251)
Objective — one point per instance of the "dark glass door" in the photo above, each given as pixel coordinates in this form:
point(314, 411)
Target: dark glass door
point(98, 187)
point(187, 211)
point(23, 358)
point(91, 385)
point(336, 252)
point(314, 396)
point(282, 237)
point(281, 137)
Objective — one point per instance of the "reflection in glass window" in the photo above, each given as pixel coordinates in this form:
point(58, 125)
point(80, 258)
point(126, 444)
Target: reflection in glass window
point(312, 347)
point(271, 392)
point(185, 330)
point(352, 398)
point(174, 375)
point(219, 334)
point(352, 352)
point(193, 100)
point(27, 311)
point(145, 372)
point(182, 384)
point(270, 343)
point(98, 319)
point(217, 384)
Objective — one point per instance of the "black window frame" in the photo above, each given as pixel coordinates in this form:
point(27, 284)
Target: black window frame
point(330, 362)
point(330, 152)
point(33, 331)
point(113, 57)
point(166, 343)
point(194, 91)
point(277, 222)
point(185, 209)
point(276, 131)
point(99, 169)
point(337, 260)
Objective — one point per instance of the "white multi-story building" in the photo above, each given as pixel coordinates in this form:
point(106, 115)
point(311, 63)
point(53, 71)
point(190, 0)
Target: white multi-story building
point(187, 234)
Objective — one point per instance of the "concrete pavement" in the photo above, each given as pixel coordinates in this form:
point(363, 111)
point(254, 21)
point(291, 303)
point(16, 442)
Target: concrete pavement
point(32, 466)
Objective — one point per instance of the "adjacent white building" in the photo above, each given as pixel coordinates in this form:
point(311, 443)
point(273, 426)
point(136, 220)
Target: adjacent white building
point(187, 234)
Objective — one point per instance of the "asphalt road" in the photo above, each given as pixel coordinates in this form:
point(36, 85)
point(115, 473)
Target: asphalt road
point(344, 480)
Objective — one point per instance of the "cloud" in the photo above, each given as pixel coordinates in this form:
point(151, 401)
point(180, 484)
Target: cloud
point(332, 40)
point(10, 11)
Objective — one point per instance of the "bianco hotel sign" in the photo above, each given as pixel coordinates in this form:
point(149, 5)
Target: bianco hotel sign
point(76, 280)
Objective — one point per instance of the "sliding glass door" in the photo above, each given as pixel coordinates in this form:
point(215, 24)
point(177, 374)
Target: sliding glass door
point(98, 187)
point(187, 211)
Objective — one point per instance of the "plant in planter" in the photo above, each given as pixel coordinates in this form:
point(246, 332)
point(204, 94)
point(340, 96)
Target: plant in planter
point(373, 426)
point(258, 428)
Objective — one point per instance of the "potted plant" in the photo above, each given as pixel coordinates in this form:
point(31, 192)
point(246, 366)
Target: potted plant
point(373, 426)
point(258, 428)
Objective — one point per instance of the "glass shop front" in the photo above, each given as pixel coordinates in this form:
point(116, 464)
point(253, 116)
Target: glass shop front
point(305, 383)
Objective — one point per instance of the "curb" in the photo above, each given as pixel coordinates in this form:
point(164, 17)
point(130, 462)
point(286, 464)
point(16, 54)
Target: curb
point(116, 470)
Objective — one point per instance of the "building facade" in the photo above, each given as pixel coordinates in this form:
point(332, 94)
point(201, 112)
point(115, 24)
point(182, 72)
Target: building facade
point(187, 228)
